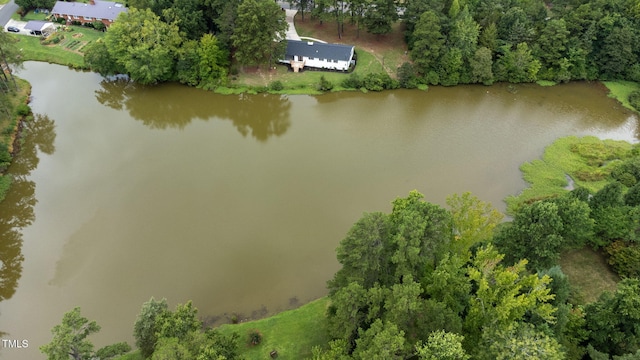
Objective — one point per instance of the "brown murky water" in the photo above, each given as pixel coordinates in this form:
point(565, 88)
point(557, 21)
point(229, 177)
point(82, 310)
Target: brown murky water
point(238, 202)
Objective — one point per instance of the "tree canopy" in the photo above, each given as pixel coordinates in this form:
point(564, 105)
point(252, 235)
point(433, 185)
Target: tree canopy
point(70, 340)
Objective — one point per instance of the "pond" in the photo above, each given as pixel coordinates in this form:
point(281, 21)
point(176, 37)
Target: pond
point(124, 192)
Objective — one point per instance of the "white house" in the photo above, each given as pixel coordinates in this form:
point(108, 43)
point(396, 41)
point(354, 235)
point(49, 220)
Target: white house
point(317, 55)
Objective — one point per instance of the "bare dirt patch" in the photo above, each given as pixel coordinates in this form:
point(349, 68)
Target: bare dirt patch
point(78, 35)
point(389, 49)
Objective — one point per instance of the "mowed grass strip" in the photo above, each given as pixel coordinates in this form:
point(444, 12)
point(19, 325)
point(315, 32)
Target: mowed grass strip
point(586, 160)
point(292, 333)
point(588, 273)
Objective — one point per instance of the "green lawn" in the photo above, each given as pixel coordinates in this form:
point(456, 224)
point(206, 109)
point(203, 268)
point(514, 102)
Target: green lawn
point(291, 333)
point(30, 16)
point(620, 91)
point(66, 52)
point(302, 83)
point(586, 160)
point(305, 82)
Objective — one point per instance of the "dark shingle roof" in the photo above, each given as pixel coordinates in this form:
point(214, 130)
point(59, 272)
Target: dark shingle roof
point(37, 25)
point(101, 9)
point(318, 50)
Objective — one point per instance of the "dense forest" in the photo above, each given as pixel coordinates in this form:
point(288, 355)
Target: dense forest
point(202, 42)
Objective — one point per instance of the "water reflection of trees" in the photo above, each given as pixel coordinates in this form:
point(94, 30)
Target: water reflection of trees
point(16, 211)
point(175, 106)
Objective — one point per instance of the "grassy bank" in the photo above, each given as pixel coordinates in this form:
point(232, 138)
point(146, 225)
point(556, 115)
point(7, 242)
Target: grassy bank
point(620, 91)
point(9, 125)
point(586, 161)
point(291, 333)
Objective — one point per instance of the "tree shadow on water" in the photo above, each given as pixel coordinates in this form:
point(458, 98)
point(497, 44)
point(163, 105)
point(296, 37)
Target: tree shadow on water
point(16, 210)
point(175, 106)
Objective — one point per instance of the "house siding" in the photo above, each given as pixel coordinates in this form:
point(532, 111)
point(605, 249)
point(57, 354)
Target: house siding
point(319, 55)
point(103, 11)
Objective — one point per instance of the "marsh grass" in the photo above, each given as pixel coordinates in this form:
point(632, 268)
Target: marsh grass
point(291, 333)
point(620, 91)
point(587, 160)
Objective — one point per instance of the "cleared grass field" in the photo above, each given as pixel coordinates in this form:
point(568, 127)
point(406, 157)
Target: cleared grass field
point(589, 274)
point(291, 333)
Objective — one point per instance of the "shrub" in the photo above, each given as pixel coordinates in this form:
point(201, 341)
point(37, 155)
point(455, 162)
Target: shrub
point(260, 89)
point(276, 85)
point(634, 99)
point(373, 82)
point(5, 157)
point(594, 175)
point(23, 110)
point(99, 25)
point(627, 179)
point(407, 77)
point(255, 337)
point(624, 258)
point(352, 82)
point(325, 85)
point(61, 20)
point(627, 172)
point(379, 82)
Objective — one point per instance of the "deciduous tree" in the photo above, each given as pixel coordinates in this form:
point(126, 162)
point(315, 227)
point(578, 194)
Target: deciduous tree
point(70, 340)
point(534, 234)
point(260, 29)
point(148, 325)
point(504, 295)
point(520, 341)
point(473, 222)
point(144, 46)
point(442, 345)
point(380, 16)
point(382, 341)
point(614, 320)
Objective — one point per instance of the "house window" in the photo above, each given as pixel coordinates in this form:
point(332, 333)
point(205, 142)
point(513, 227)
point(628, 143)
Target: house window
point(76, 17)
point(88, 18)
point(98, 19)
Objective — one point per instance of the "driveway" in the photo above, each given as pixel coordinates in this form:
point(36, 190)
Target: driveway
point(6, 11)
point(17, 24)
point(292, 34)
